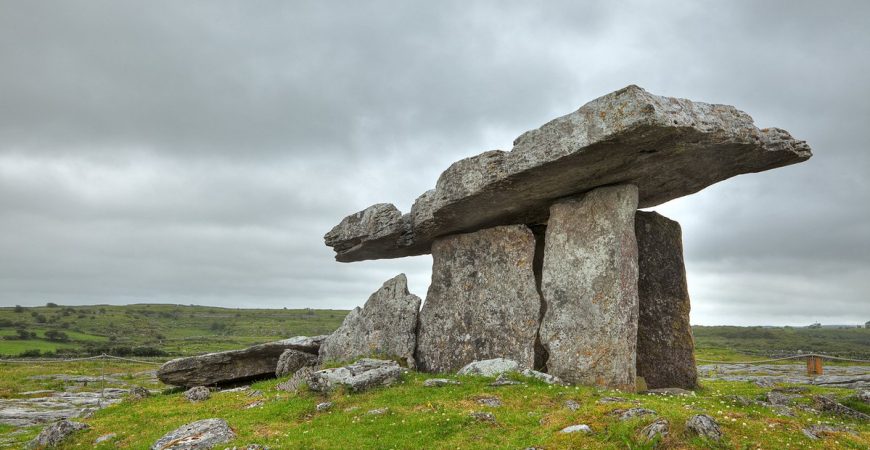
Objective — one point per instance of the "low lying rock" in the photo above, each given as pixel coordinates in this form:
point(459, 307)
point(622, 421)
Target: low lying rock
point(255, 404)
point(490, 367)
point(325, 406)
point(669, 391)
point(104, 438)
point(819, 431)
point(864, 396)
point(138, 393)
point(54, 434)
point(832, 406)
point(292, 360)
point(234, 365)
point(656, 430)
point(299, 378)
point(572, 405)
point(197, 394)
point(359, 376)
point(201, 434)
point(631, 413)
point(581, 428)
point(440, 382)
point(704, 426)
point(378, 411)
point(738, 400)
point(481, 416)
point(779, 398)
point(503, 380)
point(545, 377)
point(492, 402)
point(613, 400)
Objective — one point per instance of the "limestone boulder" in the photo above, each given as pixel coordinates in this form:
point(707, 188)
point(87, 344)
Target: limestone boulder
point(54, 434)
point(385, 327)
point(665, 347)
point(357, 377)
point(233, 365)
point(482, 302)
point(490, 367)
point(201, 434)
point(589, 287)
point(667, 147)
point(292, 360)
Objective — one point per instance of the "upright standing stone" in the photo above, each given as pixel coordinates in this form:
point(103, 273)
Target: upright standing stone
point(665, 348)
point(482, 302)
point(589, 285)
point(385, 327)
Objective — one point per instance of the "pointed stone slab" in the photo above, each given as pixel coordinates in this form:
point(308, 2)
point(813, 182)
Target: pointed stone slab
point(482, 302)
point(589, 286)
point(667, 147)
point(385, 327)
point(665, 347)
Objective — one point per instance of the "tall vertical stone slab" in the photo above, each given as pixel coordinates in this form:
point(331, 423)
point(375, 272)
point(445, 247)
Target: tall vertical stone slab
point(589, 284)
point(482, 302)
point(385, 327)
point(665, 347)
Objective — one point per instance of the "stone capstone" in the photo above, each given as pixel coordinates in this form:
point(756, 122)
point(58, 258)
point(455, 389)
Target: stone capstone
point(667, 147)
point(54, 434)
point(233, 365)
point(665, 347)
point(385, 327)
point(292, 360)
point(357, 377)
point(482, 302)
point(202, 434)
point(589, 287)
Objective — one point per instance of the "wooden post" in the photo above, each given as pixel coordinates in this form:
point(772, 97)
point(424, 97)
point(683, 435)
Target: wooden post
point(814, 365)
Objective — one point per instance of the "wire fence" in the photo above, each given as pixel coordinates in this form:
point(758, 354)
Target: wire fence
point(69, 360)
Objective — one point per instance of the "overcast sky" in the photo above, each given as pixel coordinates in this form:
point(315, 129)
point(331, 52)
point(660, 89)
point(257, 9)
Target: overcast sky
point(196, 152)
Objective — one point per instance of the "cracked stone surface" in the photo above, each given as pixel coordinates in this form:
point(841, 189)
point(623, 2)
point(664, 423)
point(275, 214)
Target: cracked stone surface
point(667, 147)
point(589, 284)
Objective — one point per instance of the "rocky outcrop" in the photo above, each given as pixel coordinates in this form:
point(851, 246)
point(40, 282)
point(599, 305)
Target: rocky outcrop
point(357, 377)
point(385, 327)
point(589, 284)
point(704, 426)
point(201, 434)
point(667, 147)
point(197, 394)
point(482, 302)
point(665, 347)
point(234, 365)
point(292, 360)
point(54, 434)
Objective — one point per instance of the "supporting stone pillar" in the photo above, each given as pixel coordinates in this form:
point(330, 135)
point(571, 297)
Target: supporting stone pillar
point(482, 302)
point(589, 284)
point(665, 348)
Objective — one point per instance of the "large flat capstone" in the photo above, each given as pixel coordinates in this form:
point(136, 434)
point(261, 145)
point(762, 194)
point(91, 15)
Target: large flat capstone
point(665, 348)
point(385, 327)
point(233, 365)
point(589, 286)
point(482, 302)
point(667, 147)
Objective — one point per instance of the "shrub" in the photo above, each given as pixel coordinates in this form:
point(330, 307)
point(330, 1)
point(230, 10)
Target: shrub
point(19, 309)
point(52, 305)
point(56, 336)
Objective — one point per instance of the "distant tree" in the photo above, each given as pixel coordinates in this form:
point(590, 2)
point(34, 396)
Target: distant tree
point(40, 318)
point(815, 325)
point(33, 353)
point(51, 305)
point(19, 309)
point(24, 334)
point(56, 336)
point(64, 325)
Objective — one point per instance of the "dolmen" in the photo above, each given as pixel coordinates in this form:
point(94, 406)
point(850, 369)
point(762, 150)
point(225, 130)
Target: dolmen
point(540, 254)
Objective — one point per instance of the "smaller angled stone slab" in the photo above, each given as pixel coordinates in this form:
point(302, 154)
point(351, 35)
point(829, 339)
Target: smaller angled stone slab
point(386, 327)
point(665, 347)
point(589, 285)
point(482, 302)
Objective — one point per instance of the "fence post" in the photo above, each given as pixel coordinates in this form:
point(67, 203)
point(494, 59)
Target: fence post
point(814, 365)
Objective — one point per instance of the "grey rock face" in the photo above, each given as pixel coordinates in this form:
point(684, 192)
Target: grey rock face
point(292, 360)
point(589, 285)
point(359, 376)
point(482, 302)
point(665, 347)
point(657, 429)
point(197, 394)
point(54, 434)
point(704, 426)
point(626, 137)
point(386, 326)
point(233, 365)
point(202, 434)
point(489, 367)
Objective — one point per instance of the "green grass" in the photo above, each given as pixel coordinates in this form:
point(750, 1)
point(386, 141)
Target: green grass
point(766, 342)
point(420, 417)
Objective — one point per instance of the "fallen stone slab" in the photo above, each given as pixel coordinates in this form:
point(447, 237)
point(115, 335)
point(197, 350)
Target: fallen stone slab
point(357, 377)
point(589, 288)
point(202, 434)
point(667, 147)
point(234, 365)
point(292, 360)
point(386, 327)
point(54, 434)
point(482, 303)
point(665, 347)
